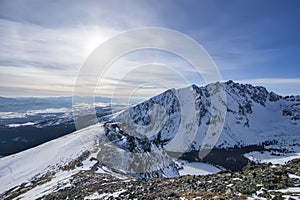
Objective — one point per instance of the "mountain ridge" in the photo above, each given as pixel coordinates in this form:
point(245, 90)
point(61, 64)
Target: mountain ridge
point(255, 120)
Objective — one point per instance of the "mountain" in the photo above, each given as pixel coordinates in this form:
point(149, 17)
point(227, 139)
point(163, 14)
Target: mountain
point(253, 116)
point(255, 120)
point(172, 134)
point(6, 99)
point(25, 104)
point(28, 122)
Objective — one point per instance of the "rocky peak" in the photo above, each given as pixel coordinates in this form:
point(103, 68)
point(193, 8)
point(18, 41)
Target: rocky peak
point(273, 97)
point(257, 94)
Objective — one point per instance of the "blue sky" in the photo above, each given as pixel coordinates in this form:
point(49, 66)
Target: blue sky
point(44, 43)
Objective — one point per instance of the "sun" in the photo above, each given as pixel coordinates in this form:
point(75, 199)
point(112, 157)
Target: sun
point(95, 36)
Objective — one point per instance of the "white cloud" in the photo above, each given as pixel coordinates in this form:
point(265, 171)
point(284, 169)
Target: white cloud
point(43, 49)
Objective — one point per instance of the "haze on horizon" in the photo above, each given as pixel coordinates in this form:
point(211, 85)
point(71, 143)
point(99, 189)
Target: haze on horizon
point(44, 44)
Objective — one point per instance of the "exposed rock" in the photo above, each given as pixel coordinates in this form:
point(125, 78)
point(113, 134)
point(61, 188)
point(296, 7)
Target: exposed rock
point(264, 178)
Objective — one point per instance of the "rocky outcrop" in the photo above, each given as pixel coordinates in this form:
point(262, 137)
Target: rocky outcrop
point(260, 181)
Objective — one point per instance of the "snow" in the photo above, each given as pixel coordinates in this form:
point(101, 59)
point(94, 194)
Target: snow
point(293, 192)
point(255, 197)
point(290, 190)
point(237, 179)
point(18, 125)
point(117, 193)
point(266, 157)
point(8, 115)
point(60, 178)
point(22, 167)
point(293, 176)
point(188, 124)
point(105, 170)
point(265, 123)
point(104, 195)
point(96, 195)
point(197, 168)
point(287, 193)
point(48, 187)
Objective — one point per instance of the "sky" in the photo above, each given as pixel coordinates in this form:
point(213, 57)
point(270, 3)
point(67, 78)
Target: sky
point(45, 43)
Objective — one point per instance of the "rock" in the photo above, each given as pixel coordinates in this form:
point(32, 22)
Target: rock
point(79, 164)
point(257, 179)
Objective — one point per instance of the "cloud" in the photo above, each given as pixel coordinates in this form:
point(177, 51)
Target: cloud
point(35, 57)
point(143, 80)
point(38, 51)
point(29, 44)
point(43, 44)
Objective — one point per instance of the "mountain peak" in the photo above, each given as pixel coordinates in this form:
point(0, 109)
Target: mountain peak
point(252, 115)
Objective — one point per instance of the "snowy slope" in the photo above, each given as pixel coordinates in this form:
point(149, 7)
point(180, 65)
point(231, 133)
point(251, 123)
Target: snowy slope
point(48, 157)
point(20, 171)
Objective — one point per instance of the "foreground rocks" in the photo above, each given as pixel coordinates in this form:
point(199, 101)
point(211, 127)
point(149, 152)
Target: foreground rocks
point(260, 181)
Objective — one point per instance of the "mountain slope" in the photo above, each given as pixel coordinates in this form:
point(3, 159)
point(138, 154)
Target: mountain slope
point(255, 120)
point(46, 158)
point(134, 144)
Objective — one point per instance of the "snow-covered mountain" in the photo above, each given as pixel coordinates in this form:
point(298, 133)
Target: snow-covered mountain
point(161, 136)
point(255, 120)
point(254, 115)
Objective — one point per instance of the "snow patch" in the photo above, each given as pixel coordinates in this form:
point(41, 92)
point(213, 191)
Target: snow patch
point(18, 125)
point(197, 168)
point(104, 195)
point(267, 157)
